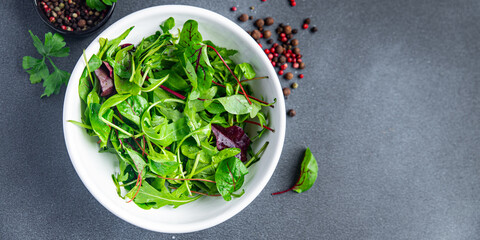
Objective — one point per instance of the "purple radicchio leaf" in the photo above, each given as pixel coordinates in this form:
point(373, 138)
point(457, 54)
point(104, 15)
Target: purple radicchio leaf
point(106, 82)
point(232, 137)
point(125, 45)
point(109, 68)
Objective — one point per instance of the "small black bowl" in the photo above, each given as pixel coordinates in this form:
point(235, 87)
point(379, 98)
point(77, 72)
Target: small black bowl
point(85, 33)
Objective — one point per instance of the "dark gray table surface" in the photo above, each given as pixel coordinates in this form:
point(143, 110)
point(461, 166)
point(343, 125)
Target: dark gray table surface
point(389, 106)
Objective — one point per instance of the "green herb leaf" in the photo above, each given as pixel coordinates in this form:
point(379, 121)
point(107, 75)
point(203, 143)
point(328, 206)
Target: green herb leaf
point(190, 34)
point(54, 81)
point(163, 164)
point(230, 177)
point(37, 68)
point(168, 25)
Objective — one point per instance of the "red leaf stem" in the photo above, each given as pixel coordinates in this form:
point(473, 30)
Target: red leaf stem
point(173, 92)
point(258, 124)
point(139, 184)
point(238, 81)
point(254, 98)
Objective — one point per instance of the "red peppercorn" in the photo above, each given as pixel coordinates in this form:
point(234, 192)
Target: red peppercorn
point(260, 45)
point(270, 56)
point(300, 76)
point(293, 4)
point(272, 50)
point(305, 26)
point(280, 72)
point(299, 60)
point(69, 18)
point(288, 55)
point(52, 19)
point(282, 35)
point(64, 27)
point(233, 9)
point(294, 55)
point(289, 51)
point(274, 64)
point(284, 66)
point(267, 51)
point(289, 60)
point(264, 0)
point(275, 54)
point(284, 39)
point(294, 60)
point(296, 65)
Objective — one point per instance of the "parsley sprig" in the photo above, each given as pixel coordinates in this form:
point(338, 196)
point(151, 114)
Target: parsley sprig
point(54, 46)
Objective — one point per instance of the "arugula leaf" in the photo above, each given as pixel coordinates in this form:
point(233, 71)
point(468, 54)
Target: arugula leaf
point(54, 46)
point(168, 25)
point(163, 164)
point(230, 177)
point(99, 127)
point(148, 194)
point(244, 69)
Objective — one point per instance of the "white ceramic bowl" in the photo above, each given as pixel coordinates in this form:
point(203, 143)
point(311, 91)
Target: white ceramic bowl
point(95, 169)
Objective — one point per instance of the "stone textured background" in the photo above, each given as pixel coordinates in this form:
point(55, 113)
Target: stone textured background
point(389, 106)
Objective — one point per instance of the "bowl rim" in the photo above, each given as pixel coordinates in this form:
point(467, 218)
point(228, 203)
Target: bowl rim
point(254, 189)
point(85, 33)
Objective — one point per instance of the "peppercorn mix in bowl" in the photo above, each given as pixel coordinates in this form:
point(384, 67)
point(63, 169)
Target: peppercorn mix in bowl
point(95, 169)
point(72, 17)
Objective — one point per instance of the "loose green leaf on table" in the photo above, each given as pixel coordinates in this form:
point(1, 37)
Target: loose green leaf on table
point(54, 46)
point(308, 174)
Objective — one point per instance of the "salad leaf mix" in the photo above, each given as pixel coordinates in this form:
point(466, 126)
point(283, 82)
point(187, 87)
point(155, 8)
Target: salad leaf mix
point(173, 108)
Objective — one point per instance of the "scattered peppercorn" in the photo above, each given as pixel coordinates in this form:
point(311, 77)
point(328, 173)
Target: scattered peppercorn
point(270, 41)
point(243, 17)
point(295, 85)
point(233, 9)
point(295, 31)
point(314, 29)
point(256, 34)
point(306, 21)
point(292, 113)
point(296, 50)
point(259, 23)
point(305, 26)
point(294, 42)
point(302, 65)
point(279, 49)
point(251, 17)
point(269, 21)
point(287, 29)
point(252, 8)
point(289, 76)
point(300, 76)
point(286, 91)
point(267, 34)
